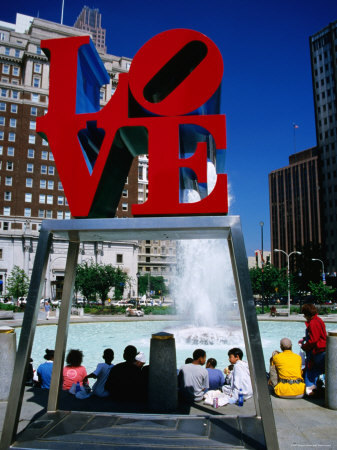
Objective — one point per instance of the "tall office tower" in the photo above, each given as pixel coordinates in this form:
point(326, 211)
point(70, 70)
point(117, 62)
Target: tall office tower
point(295, 218)
point(90, 20)
point(323, 50)
point(30, 189)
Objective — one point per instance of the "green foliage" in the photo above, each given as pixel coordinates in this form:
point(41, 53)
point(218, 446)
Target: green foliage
point(17, 283)
point(96, 280)
point(321, 292)
point(156, 284)
point(274, 281)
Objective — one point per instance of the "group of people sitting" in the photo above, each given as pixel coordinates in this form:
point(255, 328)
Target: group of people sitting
point(198, 383)
point(289, 377)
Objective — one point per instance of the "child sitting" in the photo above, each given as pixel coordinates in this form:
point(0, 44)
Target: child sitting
point(101, 374)
point(73, 372)
point(239, 377)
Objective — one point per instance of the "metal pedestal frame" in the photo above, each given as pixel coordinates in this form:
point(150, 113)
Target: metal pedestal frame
point(175, 228)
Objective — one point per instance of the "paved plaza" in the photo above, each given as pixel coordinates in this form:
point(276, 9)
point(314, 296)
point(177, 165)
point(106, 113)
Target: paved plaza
point(302, 423)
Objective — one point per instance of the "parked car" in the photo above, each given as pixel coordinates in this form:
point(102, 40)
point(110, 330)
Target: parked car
point(56, 302)
point(133, 312)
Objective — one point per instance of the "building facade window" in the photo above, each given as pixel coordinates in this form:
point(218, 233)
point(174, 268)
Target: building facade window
point(44, 154)
point(7, 211)
point(3, 106)
point(28, 198)
point(60, 200)
point(119, 259)
point(32, 125)
point(12, 123)
point(8, 196)
point(30, 153)
point(30, 167)
point(10, 151)
point(11, 137)
point(51, 170)
point(9, 165)
point(49, 199)
point(31, 139)
point(49, 214)
point(60, 215)
point(14, 108)
point(37, 68)
point(50, 184)
point(28, 212)
point(29, 182)
point(43, 184)
point(42, 198)
point(33, 111)
point(41, 213)
point(44, 170)
point(8, 181)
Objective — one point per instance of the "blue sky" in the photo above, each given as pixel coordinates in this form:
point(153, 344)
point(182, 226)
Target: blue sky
point(267, 76)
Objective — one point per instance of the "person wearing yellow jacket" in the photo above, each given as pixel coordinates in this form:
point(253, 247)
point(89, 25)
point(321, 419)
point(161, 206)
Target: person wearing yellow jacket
point(289, 369)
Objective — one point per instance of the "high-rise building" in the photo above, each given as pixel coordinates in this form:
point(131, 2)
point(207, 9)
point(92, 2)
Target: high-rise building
point(295, 217)
point(30, 189)
point(90, 20)
point(323, 50)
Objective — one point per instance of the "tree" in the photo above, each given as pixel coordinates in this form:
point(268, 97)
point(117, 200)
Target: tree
point(17, 283)
point(156, 284)
point(94, 280)
point(321, 292)
point(85, 281)
point(274, 281)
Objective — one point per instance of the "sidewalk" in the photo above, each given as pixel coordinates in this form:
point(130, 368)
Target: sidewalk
point(301, 423)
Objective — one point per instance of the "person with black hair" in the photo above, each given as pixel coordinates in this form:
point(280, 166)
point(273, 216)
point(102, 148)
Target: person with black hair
point(215, 376)
point(124, 381)
point(101, 373)
point(44, 370)
point(73, 372)
point(193, 378)
point(239, 378)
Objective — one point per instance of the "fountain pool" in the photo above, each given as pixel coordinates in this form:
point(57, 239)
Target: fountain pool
point(93, 338)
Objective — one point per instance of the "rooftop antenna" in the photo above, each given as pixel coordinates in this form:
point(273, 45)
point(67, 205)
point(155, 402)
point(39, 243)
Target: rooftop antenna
point(62, 12)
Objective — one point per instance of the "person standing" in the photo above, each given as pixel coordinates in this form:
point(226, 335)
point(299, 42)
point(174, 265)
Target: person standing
point(47, 309)
point(314, 345)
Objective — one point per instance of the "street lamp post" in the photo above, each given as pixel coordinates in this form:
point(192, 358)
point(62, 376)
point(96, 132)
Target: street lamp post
point(288, 272)
point(323, 273)
point(137, 275)
point(262, 266)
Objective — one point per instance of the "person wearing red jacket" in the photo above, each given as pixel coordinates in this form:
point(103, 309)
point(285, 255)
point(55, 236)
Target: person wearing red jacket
point(314, 344)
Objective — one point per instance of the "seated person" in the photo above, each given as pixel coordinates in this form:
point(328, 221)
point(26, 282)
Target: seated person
point(73, 372)
point(124, 381)
point(101, 373)
point(273, 375)
point(239, 377)
point(289, 369)
point(44, 370)
point(215, 376)
point(193, 378)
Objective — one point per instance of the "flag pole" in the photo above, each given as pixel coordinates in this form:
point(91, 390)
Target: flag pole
point(62, 12)
point(294, 128)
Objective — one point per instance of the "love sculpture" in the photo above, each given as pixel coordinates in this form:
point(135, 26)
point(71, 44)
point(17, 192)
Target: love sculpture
point(167, 106)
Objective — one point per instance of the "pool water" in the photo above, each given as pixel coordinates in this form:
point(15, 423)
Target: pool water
point(93, 338)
